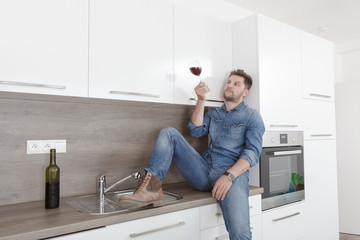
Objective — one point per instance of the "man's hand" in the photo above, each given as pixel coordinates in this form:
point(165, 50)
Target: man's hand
point(221, 187)
point(201, 90)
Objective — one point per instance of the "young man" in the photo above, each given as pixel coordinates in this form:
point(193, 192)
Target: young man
point(236, 140)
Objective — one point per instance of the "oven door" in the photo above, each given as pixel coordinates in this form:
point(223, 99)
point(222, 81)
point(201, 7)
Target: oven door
point(282, 176)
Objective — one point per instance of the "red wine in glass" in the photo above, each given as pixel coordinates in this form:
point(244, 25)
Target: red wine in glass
point(195, 70)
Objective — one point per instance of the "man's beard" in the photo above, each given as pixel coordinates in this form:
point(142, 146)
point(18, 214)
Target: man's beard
point(232, 97)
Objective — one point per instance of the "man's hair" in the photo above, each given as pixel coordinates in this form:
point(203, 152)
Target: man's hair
point(241, 73)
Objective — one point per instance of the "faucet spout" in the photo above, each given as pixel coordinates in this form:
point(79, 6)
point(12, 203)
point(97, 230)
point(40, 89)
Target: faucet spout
point(102, 183)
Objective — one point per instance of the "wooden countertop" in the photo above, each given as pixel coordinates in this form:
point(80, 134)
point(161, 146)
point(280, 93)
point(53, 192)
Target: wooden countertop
point(32, 221)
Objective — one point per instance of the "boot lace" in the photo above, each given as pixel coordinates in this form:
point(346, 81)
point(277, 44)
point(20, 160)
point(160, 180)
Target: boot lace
point(143, 181)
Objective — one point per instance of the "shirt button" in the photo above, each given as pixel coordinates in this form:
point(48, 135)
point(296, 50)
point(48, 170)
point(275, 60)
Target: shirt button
point(225, 125)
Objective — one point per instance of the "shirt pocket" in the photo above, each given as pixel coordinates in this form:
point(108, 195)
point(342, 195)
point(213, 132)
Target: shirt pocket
point(236, 130)
point(215, 125)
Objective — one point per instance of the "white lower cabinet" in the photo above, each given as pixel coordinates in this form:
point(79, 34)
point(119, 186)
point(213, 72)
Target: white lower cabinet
point(212, 225)
point(321, 196)
point(284, 223)
point(93, 234)
point(178, 225)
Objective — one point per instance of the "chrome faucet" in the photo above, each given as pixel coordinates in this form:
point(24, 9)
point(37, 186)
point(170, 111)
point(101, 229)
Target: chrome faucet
point(102, 183)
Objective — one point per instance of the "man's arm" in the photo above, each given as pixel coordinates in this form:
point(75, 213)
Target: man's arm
point(197, 116)
point(223, 184)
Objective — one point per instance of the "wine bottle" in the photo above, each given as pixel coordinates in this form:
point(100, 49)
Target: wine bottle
point(52, 183)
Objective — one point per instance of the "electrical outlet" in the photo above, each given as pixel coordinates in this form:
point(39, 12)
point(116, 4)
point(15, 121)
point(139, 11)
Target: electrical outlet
point(44, 146)
point(33, 147)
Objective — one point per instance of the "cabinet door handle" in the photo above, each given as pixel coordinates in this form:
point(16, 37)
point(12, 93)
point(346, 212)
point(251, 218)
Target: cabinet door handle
point(288, 216)
point(283, 125)
point(222, 237)
point(134, 235)
point(32, 84)
point(321, 135)
point(208, 100)
point(319, 95)
point(218, 214)
point(135, 93)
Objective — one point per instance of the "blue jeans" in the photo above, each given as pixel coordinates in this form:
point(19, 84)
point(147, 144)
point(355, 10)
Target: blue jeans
point(200, 173)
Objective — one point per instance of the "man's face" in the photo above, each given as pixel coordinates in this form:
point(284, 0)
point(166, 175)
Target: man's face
point(235, 89)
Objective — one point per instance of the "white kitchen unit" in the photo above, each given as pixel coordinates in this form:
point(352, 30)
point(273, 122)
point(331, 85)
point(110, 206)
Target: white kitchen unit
point(318, 119)
point(317, 67)
point(212, 225)
point(286, 222)
point(176, 226)
point(131, 50)
point(44, 47)
point(202, 37)
point(270, 52)
point(321, 195)
point(93, 234)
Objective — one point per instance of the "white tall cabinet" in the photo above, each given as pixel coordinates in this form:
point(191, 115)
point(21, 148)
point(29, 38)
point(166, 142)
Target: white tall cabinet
point(293, 90)
point(131, 50)
point(44, 47)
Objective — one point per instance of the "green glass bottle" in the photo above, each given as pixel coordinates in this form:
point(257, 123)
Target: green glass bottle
point(52, 183)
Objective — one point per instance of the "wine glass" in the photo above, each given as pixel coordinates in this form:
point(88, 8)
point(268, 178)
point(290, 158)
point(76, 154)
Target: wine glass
point(195, 68)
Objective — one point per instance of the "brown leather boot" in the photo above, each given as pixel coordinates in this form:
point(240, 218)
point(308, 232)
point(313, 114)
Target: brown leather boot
point(149, 190)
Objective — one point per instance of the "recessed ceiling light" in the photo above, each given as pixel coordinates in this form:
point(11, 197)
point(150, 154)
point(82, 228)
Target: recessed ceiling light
point(322, 29)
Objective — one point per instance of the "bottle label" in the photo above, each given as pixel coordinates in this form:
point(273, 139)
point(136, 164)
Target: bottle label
point(52, 195)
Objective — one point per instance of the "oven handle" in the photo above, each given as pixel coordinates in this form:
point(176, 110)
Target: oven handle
point(280, 153)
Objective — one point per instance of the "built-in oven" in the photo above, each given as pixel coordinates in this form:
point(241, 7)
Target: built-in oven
point(281, 168)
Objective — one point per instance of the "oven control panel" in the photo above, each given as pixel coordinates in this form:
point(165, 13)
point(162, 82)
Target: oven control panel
point(283, 138)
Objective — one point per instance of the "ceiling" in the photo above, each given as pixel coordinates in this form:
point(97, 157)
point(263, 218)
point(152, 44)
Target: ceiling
point(341, 17)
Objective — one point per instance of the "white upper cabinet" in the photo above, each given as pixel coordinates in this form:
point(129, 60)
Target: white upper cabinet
point(270, 51)
point(279, 73)
point(131, 50)
point(317, 68)
point(202, 37)
point(44, 47)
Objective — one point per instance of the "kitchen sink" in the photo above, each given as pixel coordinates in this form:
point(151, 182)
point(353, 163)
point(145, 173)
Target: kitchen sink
point(91, 203)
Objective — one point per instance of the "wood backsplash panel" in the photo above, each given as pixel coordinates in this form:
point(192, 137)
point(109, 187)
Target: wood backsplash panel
point(103, 136)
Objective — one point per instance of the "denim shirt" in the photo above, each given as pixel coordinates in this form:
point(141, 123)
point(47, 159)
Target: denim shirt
point(235, 134)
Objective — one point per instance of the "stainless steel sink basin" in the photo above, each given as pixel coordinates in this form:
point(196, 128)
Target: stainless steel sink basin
point(91, 203)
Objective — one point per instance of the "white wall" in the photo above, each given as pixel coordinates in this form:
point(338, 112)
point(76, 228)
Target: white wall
point(347, 60)
point(347, 107)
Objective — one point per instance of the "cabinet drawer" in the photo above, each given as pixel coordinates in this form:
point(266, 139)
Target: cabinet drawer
point(215, 233)
point(255, 205)
point(220, 232)
point(284, 223)
point(176, 226)
point(256, 227)
point(211, 215)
